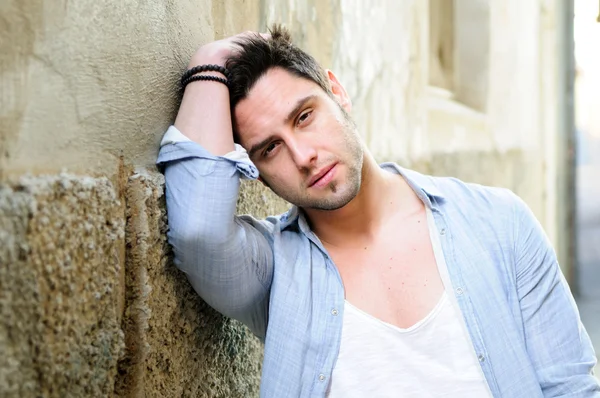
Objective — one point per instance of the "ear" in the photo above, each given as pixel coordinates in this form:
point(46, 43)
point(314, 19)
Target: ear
point(339, 92)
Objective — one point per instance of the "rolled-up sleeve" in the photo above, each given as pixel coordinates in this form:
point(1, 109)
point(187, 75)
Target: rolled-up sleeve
point(557, 343)
point(228, 259)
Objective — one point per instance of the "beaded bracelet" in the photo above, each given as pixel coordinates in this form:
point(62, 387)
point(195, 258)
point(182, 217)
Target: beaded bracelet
point(206, 68)
point(204, 77)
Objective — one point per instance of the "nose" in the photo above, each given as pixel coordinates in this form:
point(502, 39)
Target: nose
point(303, 153)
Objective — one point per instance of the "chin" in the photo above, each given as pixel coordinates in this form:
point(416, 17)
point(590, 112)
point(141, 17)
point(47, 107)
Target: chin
point(336, 200)
point(333, 197)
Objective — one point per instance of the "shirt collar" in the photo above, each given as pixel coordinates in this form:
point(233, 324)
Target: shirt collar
point(423, 185)
point(417, 181)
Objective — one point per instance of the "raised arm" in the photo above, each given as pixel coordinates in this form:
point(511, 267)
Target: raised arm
point(227, 259)
point(204, 115)
point(557, 343)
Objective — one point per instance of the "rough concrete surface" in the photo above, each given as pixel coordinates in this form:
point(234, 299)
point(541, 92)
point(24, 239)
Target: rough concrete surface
point(177, 346)
point(91, 308)
point(61, 262)
point(96, 73)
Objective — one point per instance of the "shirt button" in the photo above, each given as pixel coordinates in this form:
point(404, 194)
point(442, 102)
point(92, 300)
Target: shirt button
point(443, 231)
point(481, 358)
point(334, 312)
point(321, 377)
point(459, 291)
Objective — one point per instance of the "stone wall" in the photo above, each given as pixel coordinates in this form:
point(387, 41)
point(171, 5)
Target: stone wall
point(90, 302)
point(61, 290)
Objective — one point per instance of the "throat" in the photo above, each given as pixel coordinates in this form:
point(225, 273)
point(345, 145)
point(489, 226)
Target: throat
point(364, 216)
point(367, 216)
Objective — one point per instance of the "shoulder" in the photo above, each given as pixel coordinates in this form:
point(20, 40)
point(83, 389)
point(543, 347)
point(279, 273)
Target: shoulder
point(452, 190)
point(464, 193)
point(477, 207)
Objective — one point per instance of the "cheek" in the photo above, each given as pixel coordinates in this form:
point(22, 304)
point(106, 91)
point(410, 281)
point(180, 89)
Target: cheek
point(277, 174)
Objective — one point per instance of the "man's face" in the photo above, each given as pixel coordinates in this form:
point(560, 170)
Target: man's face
point(301, 140)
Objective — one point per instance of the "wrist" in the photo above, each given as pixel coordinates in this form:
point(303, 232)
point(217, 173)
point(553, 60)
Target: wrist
point(198, 73)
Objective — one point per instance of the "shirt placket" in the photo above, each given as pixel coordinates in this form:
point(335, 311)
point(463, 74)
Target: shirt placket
point(461, 297)
point(331, 310)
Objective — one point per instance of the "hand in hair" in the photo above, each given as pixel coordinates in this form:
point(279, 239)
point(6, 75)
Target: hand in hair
point(204, 114)
point(217, 52)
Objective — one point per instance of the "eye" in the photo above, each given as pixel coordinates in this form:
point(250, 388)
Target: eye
point(304, 116)
point(269, 149)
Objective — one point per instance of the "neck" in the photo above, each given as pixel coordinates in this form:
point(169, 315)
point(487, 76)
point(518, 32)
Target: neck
point(381, 194)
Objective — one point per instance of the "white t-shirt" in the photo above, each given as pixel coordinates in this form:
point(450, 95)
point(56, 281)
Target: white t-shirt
point(433, 358)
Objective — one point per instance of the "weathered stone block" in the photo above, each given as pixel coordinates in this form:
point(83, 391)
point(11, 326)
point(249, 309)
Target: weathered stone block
point(61, 257)
point(177, 346)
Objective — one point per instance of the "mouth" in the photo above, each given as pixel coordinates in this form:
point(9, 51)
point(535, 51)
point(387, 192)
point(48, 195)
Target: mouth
point(323, 177)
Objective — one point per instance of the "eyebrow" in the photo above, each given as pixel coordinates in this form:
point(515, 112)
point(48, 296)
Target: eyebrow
point(301, 103)
point(256, 147)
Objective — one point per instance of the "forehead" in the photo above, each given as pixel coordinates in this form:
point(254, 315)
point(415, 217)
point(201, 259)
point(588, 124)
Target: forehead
point(269, 102)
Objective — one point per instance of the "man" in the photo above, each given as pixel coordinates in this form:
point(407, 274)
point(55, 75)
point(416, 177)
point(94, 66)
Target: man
point(380, 281)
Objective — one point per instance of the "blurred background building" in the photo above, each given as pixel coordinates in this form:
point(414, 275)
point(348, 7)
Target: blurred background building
point(90, 302)
point(587, 121)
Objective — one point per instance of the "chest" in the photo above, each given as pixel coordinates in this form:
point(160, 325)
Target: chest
point(394, 277)
point(433, 358)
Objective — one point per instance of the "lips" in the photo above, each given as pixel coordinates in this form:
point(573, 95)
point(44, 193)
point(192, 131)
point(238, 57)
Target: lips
point(324, 172)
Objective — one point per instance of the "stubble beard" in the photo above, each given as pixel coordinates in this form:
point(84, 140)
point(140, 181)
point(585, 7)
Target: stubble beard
point(337, 193)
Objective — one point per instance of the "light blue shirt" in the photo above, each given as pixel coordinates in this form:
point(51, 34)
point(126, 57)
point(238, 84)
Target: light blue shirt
point(275, 276)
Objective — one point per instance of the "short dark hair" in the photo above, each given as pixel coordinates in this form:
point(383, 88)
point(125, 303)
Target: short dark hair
point(258, 54)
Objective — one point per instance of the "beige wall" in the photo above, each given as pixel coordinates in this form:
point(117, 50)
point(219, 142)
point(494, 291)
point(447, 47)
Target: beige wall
point(90, 301)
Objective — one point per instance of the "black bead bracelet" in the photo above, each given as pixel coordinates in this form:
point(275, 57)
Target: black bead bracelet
point(205, 68)
point(195, 78)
